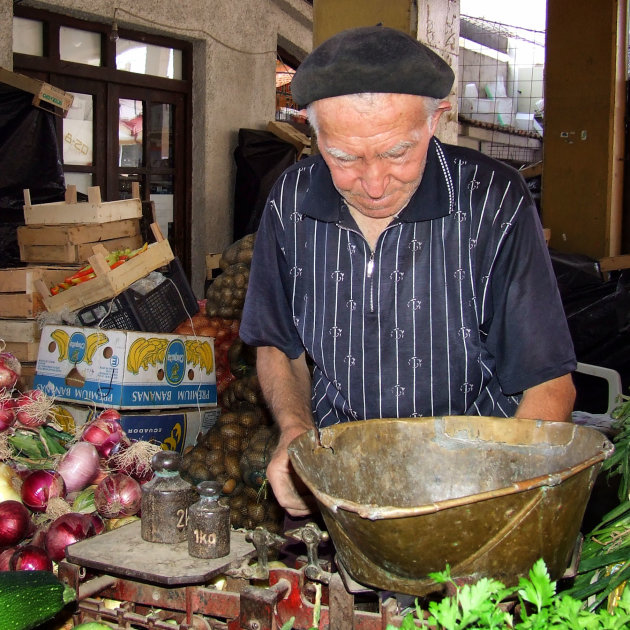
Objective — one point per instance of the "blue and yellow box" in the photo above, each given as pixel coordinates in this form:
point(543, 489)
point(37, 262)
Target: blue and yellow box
point(126, 369)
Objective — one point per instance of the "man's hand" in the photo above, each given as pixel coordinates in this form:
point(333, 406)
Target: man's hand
point(286, 385)
point(288, 488)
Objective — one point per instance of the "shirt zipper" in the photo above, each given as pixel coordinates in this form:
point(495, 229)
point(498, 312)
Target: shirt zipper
point(370, 272)
point(370, 264)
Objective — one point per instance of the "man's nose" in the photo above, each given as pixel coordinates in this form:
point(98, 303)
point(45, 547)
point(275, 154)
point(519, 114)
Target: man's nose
point(374, 179)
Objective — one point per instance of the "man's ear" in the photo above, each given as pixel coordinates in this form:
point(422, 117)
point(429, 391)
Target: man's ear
point(444, 106)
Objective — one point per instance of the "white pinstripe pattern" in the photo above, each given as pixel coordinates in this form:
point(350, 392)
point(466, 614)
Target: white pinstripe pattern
point(410, 339)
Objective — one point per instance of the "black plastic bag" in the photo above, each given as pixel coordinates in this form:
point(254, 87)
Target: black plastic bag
point(261, 157)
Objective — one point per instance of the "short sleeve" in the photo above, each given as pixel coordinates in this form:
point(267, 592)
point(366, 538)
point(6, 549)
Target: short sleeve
point(528, 333)
point(267, 318)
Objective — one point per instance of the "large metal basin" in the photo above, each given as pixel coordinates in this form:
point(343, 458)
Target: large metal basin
point(489, 496)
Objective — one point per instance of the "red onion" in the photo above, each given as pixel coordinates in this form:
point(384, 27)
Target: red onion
point(10, 370)
point(99, 523)
point(41, 485)
point(7, 413)
point(117, 495)
point(15, 523)
point(104, 432)
point(39, 536)
point(30, 558)
point(5, 558)
point(33, 408)
point(66, 530)
point(109, 414)
point(79, 466)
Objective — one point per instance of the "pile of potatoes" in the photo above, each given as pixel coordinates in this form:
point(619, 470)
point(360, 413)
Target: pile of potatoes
point(226, 295)
point(235, 452)
point(237, 449)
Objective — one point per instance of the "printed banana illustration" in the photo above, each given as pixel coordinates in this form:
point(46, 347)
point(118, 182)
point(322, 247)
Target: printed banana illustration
point(93, 341)
point(62, 338)
point(207, 360)
point(145, 352)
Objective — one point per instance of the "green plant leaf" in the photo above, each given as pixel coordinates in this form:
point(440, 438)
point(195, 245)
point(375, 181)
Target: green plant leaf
point(539, 589)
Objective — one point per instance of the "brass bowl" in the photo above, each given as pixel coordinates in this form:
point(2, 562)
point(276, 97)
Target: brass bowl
point(401, 498)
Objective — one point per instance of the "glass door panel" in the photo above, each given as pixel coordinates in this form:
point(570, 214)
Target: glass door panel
point(161, 194)
point(130, 133)
point(161, 135)
point(78, 131)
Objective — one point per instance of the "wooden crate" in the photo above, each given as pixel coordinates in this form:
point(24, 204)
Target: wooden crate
point(25, 382)
point(109, 282)
point(18, 295)
point(19, 331)
point(287, 132)
point(45, 96)
point(73, 243)
point(25, 351)
point(94, 211)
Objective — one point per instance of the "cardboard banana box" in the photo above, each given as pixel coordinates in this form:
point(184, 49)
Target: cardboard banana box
point(126, 369)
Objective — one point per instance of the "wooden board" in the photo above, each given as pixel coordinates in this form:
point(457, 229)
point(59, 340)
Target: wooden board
point(92, 211)
point(24, 351)
point(74, 253)
point(108, 282)
point(123, 552)
point(612, 263)
point(18, 330)
point(21, 305)
point(22, 279)
point(76, 233)
point(25, 382)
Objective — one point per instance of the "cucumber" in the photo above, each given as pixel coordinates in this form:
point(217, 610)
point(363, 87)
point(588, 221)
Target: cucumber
point(28, 598)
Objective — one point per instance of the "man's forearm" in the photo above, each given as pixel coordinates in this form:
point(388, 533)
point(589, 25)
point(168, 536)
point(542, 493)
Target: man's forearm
point(286, 386)
point(551, 400)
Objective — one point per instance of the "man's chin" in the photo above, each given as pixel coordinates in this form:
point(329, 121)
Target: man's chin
point(377, 210)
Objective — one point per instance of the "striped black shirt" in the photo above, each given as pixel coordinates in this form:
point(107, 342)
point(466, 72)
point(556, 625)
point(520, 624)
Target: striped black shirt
point(456, 311)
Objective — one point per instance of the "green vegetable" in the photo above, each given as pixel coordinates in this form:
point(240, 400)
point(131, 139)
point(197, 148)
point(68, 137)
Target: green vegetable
point(92, 625)
point(482, 605)
point(29, 598)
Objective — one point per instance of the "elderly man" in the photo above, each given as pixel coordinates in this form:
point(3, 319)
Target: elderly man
point(414, 275)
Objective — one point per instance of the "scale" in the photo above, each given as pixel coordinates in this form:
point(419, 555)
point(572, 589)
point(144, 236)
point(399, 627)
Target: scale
point(160, 585)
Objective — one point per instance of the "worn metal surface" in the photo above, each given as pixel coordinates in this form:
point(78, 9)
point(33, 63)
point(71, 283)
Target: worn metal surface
point(165, 501)
point(208, 523)
point(403, 497)
point(123, 552)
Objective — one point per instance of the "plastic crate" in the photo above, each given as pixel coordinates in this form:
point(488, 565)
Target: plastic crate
point(160, 310)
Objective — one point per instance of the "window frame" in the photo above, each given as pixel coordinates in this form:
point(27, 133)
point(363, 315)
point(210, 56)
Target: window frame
point(52, 69)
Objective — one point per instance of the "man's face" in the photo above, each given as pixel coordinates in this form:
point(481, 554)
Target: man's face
point(375, 148)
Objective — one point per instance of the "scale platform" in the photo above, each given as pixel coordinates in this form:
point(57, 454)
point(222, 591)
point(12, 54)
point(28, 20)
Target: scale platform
point(123, 552)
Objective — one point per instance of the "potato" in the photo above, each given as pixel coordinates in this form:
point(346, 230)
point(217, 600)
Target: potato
point(229, 486)
point(256, 511)
point(198, 471)
point(214, 457)
point(231, 464)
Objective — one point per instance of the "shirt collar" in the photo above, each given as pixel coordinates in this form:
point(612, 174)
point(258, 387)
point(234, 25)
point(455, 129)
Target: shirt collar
point(434, 198)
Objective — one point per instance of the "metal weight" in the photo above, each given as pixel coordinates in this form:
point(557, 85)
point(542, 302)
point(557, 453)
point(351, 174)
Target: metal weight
point(165, 501)
point(209, 523)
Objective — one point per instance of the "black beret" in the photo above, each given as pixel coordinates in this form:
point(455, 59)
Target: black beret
point(371, 59)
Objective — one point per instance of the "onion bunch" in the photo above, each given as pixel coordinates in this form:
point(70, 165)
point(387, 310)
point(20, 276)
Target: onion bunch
point(10, 370)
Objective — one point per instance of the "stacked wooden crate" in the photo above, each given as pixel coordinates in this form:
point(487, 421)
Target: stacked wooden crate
point(55, 241)
point(20, 305)
point(66, 232)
